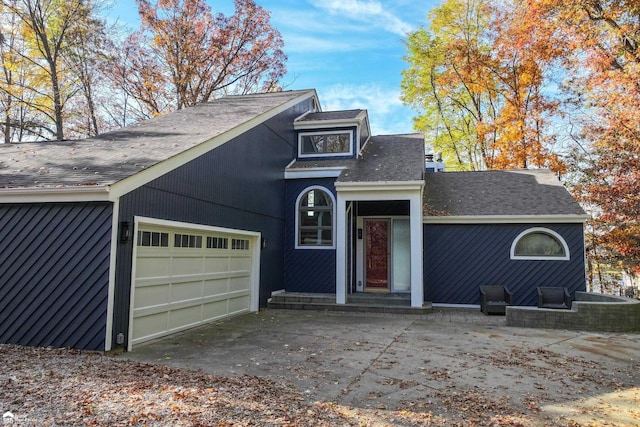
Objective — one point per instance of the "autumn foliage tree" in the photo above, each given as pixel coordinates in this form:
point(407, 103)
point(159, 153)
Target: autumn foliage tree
point(45, 24)
point(480, 97)
point(63, 74)
point(597, 43)
point(18, 119)
point(45, 41)
point(506, 80)
point(183, 54)
point(448, 84)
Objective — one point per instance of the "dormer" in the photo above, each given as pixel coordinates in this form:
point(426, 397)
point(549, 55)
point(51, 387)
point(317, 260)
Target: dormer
point(332, 134)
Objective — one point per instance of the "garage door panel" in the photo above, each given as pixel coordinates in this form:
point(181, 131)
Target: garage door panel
point(186, 266)
point(185, 317)
point(219, 263)
point(243, 263)
point(149, 296)
point(186, 291)
point(153, 266)
point(150, 326)
point(239, 283)
point(215, 310)
point(239, 304)
point(177, 287)
point(216, 287)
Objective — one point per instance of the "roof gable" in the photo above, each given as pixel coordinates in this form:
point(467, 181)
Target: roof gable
point(145, 150)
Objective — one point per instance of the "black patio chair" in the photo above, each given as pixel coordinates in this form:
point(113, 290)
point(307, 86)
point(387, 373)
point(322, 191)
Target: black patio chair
point(554, 297)
point(494, 299)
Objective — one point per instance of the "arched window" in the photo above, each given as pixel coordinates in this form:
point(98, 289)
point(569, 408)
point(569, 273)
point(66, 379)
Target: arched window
point(314, 218)
point(539, 244)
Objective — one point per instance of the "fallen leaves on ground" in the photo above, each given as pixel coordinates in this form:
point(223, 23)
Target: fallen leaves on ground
point(53, 387)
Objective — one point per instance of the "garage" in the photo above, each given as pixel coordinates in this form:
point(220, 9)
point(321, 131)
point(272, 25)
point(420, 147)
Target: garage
point(185, 275)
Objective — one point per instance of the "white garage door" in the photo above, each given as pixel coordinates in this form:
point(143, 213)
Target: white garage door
point(184, 277)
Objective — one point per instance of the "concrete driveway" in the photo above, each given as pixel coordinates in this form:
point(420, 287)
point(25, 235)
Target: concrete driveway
point(459, 365)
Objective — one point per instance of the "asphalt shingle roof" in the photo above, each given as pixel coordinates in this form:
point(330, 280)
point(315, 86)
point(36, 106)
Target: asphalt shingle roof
point(113, 156)
point(385, 158)
point(388, 158)
point(495, 193)
point(331, 115)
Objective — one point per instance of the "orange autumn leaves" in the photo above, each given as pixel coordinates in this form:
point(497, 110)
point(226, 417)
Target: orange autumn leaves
point(539, 83)
point(183, 54)
point(67, 72)
point(479, 85)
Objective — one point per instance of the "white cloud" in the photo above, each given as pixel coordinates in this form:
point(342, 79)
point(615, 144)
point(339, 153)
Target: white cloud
point(387, 114)
point(295, 43)
point(373, 13)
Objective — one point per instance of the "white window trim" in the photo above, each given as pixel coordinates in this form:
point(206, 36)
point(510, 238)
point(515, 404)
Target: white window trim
point(333, 219)
point(557, 236)
point(332, 132)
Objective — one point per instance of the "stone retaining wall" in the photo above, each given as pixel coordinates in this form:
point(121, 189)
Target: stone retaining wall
point(589, 312)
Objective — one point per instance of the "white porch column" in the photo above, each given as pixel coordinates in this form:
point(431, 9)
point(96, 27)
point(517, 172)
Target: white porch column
point(341, 252)
point(417, 283)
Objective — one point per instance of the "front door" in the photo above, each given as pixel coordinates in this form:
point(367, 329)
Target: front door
point(377, 233)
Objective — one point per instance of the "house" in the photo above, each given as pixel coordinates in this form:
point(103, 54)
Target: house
point(200, 214)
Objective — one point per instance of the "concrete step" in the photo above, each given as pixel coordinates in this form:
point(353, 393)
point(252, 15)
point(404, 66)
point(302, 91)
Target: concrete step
point(300, 302)
point(359, 298)
point(354, 308)
point(381, 299)
point(302, 297)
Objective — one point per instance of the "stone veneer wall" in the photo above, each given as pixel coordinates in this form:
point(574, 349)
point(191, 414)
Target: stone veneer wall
point(589, 312)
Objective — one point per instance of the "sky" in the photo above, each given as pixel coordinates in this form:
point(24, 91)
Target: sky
point(350, 51)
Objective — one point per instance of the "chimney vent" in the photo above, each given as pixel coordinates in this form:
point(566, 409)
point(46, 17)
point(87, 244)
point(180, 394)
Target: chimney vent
point(433, 166)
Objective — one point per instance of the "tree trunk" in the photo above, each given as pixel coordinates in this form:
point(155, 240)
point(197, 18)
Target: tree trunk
point(57, 102)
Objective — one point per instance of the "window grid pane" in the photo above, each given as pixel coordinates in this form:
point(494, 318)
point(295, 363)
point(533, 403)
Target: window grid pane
point(239, 244)
point(539, 244)
point(217, 242)
point(315, 219)
point(326, 143)
point(187, 241)
point(153, 239)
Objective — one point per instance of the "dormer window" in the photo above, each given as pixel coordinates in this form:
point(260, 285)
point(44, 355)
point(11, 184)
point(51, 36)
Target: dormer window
point(332, 133)
point(337, 143)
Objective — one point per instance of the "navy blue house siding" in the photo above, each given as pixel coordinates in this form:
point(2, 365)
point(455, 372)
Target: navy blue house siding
point(238, 185)
point(460, 258)
point(54, 274)
point(306, 270)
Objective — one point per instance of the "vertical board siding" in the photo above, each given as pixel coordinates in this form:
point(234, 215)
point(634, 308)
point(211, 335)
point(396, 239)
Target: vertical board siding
point(458, 259)
point(238, 185)
point(54, 274)
point(306, 270)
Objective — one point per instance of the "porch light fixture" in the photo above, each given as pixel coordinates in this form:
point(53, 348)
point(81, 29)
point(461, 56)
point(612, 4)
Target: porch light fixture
point(125, 231)
point(263, 243)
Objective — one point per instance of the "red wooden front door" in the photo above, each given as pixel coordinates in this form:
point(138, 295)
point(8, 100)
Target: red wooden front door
point(377, 253)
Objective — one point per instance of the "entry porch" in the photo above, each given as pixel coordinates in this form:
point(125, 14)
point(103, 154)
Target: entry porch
point(379, 240)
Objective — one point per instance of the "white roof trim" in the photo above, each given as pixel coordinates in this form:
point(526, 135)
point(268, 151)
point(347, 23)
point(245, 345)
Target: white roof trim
point(147, 175)
point(505, 219)
point(328, 172)
point(342, 187)
point(52, 195)
point(321, 124)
